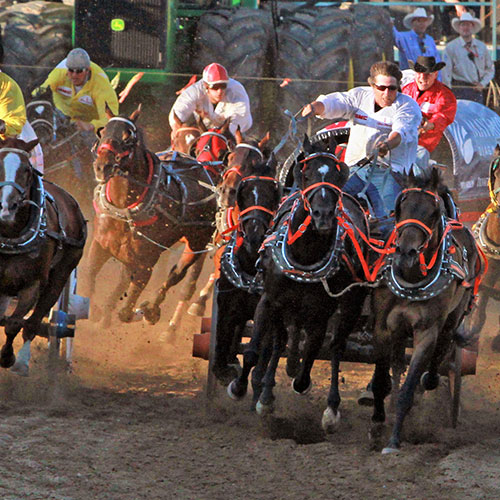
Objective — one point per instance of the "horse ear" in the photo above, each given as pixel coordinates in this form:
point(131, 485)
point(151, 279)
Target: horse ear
point(264, 140)
point(307, 146)
point(108, 111)
point(332, 144)
point(497, 150)
point(435, 178)
point(135, 114)
point(225, 126)
point(201, 124)
point(272, 163)
point(28, 146)
point(238, 136)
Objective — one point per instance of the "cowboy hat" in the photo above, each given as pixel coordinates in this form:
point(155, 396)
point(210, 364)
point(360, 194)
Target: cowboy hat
point(466, 16)
point(419, 12)
point(426, 64)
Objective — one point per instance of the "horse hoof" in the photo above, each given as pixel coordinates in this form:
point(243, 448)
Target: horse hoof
point(225, 374)
point(429, 382)
point(125, 315)
point(21, 369)
point(389, 450)
point(7, 359)
point(168, 336)
point(330, 421)
point(495, 344)
point(234, 392)
point(307, 390)
point(263, 409)
point(152, 313)
point(196, 309)
point(292, 367)
point(366, 398)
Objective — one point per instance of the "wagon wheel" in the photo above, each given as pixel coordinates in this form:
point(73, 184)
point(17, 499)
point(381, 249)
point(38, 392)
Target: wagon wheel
point(211, 380)
point(36, 37)
point(455, 385)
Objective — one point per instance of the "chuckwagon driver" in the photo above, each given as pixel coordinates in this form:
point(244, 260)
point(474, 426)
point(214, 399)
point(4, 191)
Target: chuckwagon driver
point(214, 98)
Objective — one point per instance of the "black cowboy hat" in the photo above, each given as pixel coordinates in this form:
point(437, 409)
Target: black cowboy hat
point(426, 64)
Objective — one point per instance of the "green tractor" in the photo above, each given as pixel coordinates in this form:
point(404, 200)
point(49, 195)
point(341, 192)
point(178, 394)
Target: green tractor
point(284, 53)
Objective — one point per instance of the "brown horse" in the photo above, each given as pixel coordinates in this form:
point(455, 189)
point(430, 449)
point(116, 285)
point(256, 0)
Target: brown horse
point(42, 235)
point(430, 282)
point(487, 233)
point(143, 207)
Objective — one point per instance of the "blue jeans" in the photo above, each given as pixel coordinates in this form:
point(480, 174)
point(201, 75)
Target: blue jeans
point(381, 191)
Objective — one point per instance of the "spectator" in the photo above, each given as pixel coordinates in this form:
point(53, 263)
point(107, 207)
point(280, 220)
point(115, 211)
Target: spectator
point(416, 42)
point(437, 103)
point(469, 68)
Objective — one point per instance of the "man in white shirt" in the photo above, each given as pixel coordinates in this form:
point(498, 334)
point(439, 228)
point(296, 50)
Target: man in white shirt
point(469, 68)
point(397, 118)
point(215, 98)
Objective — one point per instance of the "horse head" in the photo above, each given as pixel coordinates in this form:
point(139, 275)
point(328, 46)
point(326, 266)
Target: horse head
point(48, 122)
point(241, 161)
point(16, 178)
point(214, 144)
point(257, 198)
point(419, 211)
point(494, 178)
point(118, 143)
point(321, 176)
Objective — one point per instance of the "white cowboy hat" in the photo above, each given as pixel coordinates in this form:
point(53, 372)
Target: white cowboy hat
point(466, 16)
point(419, 12)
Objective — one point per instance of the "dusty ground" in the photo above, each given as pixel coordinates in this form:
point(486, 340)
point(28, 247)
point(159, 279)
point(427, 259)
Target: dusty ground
point(132, 422)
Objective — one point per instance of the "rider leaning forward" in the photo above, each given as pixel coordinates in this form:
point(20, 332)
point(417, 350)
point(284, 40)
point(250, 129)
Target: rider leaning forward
point(81, 90)
point(215, 98)
point(397, 118)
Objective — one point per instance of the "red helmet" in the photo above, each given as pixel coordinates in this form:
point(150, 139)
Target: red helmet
point(215, 73)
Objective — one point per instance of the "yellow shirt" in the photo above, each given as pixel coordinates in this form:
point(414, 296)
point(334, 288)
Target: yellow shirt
point(12, 108)
point(89, 104)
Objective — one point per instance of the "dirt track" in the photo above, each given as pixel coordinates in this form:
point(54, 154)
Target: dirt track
point(132, 422)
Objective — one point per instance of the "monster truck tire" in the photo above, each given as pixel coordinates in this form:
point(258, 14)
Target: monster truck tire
point(240, 39)
point(36, 37)
point(371, 39)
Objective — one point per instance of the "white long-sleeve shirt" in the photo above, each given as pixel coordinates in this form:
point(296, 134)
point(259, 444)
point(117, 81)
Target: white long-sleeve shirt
point(235, 105)
point(403, 116)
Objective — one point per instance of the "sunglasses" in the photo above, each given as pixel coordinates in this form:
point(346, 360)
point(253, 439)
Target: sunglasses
point(218, 86)
point(385, 87)
point(77, 71)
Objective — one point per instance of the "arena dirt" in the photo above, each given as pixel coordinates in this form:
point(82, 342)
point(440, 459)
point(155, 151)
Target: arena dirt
point(132, 422)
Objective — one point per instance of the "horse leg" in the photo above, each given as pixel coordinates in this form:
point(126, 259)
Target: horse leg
point(259, 371)
point(265, 404)
point(237, 389)
point(98, 256)
point(424, 342)
point(198, 307)
point(152, 312)
point(112, 300)
point(189, 289)
point(293, 356)
point(315, 335)
point(13, 324)
point(139, 278)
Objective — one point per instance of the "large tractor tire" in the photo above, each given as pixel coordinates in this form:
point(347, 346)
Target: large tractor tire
point(36, 37)
point(240, 39)
point(313, 53)
point(371, 39)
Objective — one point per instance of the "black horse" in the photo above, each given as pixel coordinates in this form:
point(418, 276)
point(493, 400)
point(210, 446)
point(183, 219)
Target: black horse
point(257, 198)
point(309, 264)
point(430, 282)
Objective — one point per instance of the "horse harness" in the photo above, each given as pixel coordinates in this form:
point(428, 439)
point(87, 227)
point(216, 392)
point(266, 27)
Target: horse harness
point(230, 263)
point(161, 176)
point(443, 267)
point(31, 236)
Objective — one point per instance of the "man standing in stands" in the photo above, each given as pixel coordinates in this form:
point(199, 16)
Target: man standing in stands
point(469, 68)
